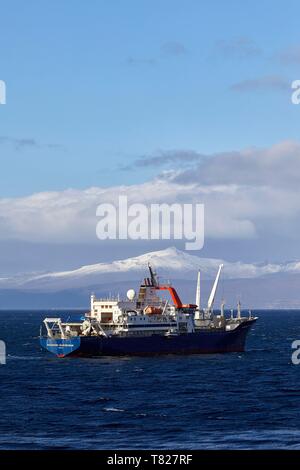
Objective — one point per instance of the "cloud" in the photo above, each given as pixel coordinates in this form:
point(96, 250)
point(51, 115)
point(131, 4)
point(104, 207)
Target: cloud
point(238, 48)
point(269, 82)
point(168, 49)
point(165, 157)
point(70, 216)
point(290, 55)
point(276, 167)
point(173, 48)
point(19, 144)
point(252, 193)
point(135, 62)
point(25, 143)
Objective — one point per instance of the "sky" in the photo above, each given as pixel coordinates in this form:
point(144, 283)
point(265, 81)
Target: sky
point(161, 100)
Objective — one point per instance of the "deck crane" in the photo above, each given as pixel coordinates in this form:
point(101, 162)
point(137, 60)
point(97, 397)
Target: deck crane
point(211, 299)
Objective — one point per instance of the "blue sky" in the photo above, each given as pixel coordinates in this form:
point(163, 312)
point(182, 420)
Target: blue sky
point(111, 93)
point(98, 84)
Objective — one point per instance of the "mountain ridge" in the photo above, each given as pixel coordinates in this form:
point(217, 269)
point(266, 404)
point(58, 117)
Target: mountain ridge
point(170, 263)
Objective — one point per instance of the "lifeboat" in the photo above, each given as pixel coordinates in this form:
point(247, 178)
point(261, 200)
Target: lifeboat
point(153, 310)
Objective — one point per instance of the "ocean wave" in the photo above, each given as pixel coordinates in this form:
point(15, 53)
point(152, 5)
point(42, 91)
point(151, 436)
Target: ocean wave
point(24, 358)
point(114, 410)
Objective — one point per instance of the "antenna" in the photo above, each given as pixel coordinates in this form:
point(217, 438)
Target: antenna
point(222, 308)
point(239, 310)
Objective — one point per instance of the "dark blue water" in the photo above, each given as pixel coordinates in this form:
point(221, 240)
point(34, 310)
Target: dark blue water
point(245, 401)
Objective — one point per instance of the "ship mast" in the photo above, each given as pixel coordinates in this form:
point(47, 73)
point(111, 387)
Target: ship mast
point(153, 276)
point(198, 298)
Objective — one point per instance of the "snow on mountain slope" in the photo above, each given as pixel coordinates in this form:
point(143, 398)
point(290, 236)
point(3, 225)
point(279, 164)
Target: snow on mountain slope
point(170, 263)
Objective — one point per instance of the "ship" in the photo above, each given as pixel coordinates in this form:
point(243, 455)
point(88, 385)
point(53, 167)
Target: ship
point(148, 324)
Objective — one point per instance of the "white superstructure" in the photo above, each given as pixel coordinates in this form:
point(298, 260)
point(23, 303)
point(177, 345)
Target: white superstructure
point(146, 313)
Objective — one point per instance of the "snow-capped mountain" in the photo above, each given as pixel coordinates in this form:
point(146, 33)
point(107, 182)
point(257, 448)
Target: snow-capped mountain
point(170, 263)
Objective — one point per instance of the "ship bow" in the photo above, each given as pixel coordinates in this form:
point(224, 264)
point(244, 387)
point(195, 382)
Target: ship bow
point(60, 347)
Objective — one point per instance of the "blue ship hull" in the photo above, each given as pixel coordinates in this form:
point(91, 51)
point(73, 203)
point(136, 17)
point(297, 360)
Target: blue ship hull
point(200, 342)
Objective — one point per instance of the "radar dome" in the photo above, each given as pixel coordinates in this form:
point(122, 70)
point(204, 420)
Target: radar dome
point(130, 294)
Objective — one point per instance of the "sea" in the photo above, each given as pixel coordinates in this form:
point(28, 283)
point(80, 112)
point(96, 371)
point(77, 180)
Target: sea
point(247, 400)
